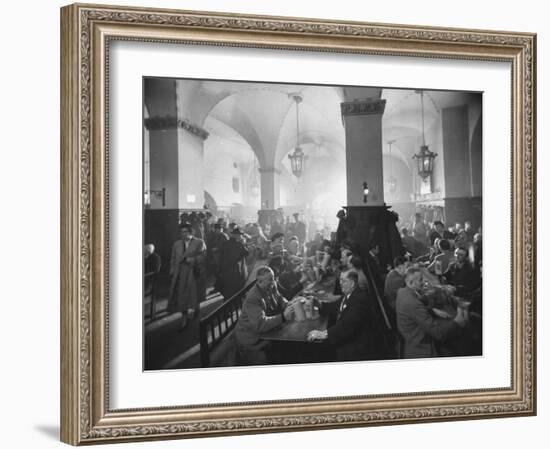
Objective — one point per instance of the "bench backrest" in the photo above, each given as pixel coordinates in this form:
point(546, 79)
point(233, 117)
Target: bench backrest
point(219, 323)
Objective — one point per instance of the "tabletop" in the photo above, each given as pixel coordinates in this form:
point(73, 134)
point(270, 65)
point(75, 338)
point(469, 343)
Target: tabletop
point(296, 330)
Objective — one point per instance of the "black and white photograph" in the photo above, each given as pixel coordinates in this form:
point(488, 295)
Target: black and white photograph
point(300, 223)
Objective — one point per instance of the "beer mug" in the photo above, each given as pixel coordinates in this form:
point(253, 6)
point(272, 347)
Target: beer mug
point(438, 267)
point(308, 308)
point(299, 313)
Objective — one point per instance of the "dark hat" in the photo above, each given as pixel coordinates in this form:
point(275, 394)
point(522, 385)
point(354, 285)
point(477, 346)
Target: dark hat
point(186, 225)
point(236, 231)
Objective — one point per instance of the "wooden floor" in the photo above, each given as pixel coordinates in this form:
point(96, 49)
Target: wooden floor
point(165, 346)
point(168, 347)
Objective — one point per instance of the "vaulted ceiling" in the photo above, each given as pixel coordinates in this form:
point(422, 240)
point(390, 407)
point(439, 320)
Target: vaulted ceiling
point(264, 115)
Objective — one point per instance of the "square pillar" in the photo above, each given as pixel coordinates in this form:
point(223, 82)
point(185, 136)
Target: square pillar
point(363, 127)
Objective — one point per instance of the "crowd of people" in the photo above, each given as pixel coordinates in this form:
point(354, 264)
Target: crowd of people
point(426, 304)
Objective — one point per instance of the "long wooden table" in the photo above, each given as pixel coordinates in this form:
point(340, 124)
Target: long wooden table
point(289, 342)
point(296, 331)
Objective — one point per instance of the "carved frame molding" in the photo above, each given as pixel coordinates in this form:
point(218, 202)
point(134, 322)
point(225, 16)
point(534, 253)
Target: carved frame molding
point(86, 33)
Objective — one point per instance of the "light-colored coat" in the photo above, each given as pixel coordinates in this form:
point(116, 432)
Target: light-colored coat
point(184, 265)
point(418, 327)
point(261, 312)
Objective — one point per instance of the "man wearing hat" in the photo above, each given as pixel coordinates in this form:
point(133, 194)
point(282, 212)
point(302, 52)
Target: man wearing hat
point(299, 228)
point(185, 294)
point(233, 270)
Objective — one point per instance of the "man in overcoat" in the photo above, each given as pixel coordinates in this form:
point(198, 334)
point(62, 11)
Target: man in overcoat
point(233, 269)
point(186, 262)
point(415, 322)
point(264, 309)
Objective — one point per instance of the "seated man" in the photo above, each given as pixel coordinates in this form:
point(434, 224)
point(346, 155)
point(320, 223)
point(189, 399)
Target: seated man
point(419, 329)
point(353, 332)
point(462, 274)
point(263, 309)
point(151, 267)
point(440, 232)
point(288, 281)
point(441, 262)
point(395, 280)
point(277, 244)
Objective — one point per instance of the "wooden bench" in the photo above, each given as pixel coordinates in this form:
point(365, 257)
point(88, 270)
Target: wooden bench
point(217, 343)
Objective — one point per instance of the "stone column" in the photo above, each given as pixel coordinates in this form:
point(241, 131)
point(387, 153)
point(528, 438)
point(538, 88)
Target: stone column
point(161, 217)
point(363, 127)
point(368, 224)
point(269, 181)
point(270, 194)
point(191, 139)
point(461, 201)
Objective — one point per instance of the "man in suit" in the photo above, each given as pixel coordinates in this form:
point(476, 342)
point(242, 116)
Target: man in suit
point(461, 274)
point(186, 263)
point(233, 269)
point(439, 232)
point(419, 329)
point(264, 308)
point(352, 334)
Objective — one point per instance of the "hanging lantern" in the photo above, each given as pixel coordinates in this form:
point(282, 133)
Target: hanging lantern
point(297, 158)
point(425, 157)
point(297, 161)
point(392, 182)
point(425, 162)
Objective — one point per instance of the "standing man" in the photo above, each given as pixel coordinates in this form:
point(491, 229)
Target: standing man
point(215, 240)
point(419, 329)
point(299, 228)
point(263, 309)
point(185, 270)
point(353, 333)
point(411, 245)
point(419, 229)
point(233, 270)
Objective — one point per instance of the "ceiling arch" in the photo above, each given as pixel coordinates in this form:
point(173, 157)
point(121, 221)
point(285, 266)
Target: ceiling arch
point(264, 114)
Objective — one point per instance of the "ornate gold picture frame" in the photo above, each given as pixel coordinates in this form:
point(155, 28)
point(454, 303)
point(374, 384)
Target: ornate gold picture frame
point(87, 32)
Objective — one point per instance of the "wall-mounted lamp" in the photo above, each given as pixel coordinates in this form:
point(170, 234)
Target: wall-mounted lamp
point(365, 192)
point(159, 194)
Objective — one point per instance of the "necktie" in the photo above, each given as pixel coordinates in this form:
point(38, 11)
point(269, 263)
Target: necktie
point(342, 305)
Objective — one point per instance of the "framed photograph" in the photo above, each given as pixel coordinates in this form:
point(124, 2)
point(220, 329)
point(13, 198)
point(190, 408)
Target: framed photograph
point(278, 224)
